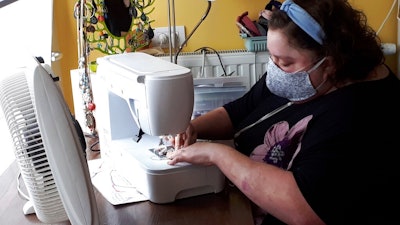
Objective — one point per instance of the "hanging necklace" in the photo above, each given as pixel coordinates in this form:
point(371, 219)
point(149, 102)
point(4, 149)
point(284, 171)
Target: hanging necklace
point(83, 54)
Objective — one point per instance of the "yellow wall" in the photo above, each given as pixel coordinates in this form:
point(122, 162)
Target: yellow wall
point(217, 31)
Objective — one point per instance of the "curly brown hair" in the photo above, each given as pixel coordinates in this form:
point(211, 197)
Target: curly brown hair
point(353, 44)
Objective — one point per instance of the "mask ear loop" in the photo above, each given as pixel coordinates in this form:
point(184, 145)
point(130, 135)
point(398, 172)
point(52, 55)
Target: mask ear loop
point(314, 68)
point(316, 65)
point(310, 70)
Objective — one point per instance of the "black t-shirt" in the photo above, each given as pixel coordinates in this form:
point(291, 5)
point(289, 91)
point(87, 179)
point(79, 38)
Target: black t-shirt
point(341, 147)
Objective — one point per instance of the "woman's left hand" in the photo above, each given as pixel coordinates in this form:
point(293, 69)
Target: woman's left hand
point(198, 153)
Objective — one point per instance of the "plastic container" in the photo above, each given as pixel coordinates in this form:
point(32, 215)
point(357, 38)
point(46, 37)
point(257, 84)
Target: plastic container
point(256, 44)
point(209, 98)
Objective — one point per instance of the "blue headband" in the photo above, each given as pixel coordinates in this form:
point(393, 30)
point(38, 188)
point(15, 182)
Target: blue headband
point(306, 22)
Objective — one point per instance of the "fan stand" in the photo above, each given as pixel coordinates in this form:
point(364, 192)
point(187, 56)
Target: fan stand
point(28, 208)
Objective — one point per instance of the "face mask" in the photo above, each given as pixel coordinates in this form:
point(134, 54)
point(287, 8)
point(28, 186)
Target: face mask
point(295, 86)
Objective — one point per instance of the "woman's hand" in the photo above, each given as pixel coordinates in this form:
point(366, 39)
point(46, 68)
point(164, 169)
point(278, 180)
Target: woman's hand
point(183, 139)
point(200, 153)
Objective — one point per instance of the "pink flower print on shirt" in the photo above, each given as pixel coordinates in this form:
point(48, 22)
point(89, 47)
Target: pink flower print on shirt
point(281, 144)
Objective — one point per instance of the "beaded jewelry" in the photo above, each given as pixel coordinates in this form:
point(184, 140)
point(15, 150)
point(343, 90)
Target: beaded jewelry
point(81, 12)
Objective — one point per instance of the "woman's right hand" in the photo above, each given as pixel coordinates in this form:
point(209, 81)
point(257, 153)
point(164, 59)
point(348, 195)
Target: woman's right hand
point(184, 139)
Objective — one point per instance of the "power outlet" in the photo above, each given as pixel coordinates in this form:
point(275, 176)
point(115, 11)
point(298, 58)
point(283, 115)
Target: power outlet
point(388, 48)
point(161, 36)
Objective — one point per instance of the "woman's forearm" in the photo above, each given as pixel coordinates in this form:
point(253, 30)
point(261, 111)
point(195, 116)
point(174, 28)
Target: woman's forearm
point(272, 188)
point(219, 129)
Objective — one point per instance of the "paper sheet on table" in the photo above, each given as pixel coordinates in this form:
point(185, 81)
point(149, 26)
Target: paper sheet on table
point(112, 185)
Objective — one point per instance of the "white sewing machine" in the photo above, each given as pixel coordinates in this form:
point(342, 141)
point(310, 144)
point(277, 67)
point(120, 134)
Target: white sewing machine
point(139, 98)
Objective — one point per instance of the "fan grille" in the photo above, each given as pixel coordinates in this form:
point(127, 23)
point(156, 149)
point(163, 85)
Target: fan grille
point(19, 113)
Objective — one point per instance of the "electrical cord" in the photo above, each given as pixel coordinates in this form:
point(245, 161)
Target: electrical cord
point(207, 49)
point(191, 33)
point(92, 146)
point(387, 17)
point(20, 192)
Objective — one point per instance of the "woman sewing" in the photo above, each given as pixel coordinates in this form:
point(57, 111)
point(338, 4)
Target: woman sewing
point(314, 140)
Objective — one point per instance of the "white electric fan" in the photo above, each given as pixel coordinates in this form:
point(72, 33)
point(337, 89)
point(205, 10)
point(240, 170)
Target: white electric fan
point(48, 150)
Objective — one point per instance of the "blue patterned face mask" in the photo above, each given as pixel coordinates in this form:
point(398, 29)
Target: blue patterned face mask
point(295, 86)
